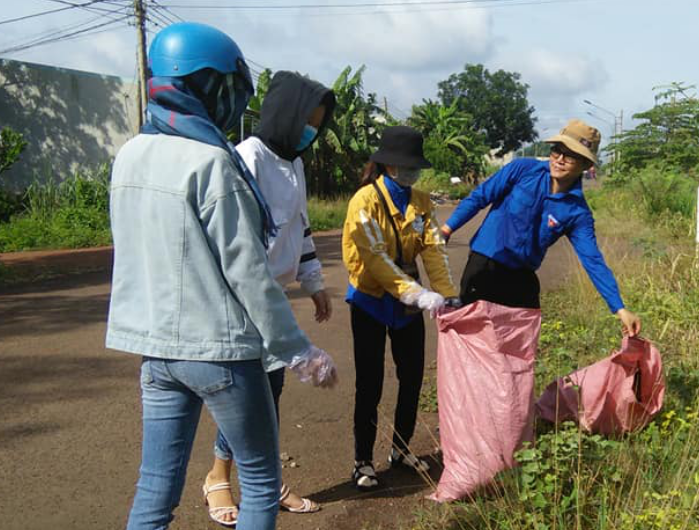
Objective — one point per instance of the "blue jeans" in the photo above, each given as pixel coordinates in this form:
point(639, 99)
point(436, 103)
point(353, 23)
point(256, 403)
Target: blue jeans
point(238, 397)
point(276, 382)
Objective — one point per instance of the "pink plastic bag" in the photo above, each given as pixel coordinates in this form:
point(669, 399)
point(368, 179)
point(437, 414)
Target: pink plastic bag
point(621, 393)
point(485, 388)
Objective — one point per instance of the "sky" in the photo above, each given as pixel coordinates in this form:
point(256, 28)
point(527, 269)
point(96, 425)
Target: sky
point(609, 52)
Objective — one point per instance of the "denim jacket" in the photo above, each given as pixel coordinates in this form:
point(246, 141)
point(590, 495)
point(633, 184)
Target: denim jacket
point(191, 279)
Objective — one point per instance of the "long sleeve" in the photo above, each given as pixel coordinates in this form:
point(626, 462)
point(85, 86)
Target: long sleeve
point(310, 273)
point(232, 224)
point(582, 237)
point(370, 244)
point(434, 257)
point(490, 191)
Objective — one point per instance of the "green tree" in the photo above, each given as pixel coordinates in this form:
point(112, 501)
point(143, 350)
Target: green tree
point(451, 143)
point(668, 133)
point(12, 144)
point(335, 162)
point(497, 102)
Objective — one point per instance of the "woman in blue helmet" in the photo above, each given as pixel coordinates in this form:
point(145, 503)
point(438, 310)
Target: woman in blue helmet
point(191, 289)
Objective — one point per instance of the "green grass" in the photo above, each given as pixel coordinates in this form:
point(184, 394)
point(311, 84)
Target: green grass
point(327, 214)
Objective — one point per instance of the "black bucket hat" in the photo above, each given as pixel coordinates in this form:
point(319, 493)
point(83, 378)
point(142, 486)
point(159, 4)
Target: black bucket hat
point(401, 146)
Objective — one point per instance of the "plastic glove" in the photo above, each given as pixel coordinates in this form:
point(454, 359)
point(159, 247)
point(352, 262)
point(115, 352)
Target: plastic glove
point(424, 299)
point(315, 366)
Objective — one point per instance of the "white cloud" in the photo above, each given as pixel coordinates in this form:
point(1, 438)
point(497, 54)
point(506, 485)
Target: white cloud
point(561, 73)
point(558, 82)
point(115, 51)
point(419, 42)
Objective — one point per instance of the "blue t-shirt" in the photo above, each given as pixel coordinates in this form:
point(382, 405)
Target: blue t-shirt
point(525, 219)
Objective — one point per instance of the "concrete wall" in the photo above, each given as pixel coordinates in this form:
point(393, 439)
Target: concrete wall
point(70, 119)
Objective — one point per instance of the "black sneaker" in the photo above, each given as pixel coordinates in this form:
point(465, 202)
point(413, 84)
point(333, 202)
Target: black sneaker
point(408, 460)
point(364, 476)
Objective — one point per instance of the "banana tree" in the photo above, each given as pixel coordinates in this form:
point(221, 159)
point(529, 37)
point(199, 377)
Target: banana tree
point(336, 160)
point(451, 143)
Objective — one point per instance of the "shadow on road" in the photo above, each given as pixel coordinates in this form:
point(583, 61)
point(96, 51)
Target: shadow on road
point(46, 307)
point(328, 247)
point(395, 483)
point(33, 380)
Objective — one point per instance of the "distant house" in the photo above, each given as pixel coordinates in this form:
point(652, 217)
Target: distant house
point(499, 161)
point(70, 119)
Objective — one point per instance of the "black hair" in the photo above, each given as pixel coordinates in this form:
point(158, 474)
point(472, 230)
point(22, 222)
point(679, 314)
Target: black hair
point(372, 171)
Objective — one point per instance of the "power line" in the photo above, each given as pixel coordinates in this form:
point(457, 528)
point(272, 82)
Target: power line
point(89, 6)
point(401, 3)
point(67, 36)
point(157, 19)
point(166, 9)
point(388, 4)
point(10, 20)
point(53, 35)
point(69, 5)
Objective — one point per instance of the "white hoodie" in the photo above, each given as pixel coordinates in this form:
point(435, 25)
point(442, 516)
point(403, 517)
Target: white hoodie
point(291, 254)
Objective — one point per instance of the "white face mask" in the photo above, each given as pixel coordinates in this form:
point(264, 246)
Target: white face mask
point(406, 176)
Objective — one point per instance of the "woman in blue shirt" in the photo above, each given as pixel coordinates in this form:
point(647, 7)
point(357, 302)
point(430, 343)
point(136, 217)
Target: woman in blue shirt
point(532, 204)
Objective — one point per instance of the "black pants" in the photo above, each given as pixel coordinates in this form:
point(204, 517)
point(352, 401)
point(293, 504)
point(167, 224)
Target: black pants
point(408, 349)
point(487, 279)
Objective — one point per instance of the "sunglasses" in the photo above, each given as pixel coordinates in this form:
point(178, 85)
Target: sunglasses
point(567, 156)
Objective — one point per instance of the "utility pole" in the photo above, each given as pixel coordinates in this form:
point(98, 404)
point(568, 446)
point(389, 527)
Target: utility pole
point(140, 14)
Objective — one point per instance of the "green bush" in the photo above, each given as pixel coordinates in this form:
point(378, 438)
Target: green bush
point(664, 190)
point(73, 213)
point(11, 204)
point(12, 144)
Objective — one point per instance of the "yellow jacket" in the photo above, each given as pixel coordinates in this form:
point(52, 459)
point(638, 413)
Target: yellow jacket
point(369, 247)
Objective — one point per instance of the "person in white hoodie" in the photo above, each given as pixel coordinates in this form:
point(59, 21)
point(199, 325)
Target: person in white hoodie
point(294, 112)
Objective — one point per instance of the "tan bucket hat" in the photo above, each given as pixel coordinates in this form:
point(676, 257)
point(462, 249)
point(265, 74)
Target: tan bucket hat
point(580, 138)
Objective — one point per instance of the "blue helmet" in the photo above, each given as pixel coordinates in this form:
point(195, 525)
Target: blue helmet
point(185, 48)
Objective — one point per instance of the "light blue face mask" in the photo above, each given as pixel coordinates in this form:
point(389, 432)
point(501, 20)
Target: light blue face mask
point(307, 136)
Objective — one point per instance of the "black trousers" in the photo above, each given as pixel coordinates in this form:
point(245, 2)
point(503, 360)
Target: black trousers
point(408, 349)
point(487, 279)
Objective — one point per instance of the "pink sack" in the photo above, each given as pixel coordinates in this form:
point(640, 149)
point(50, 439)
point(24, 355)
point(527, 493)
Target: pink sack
point(621, 393)
point(485, 389)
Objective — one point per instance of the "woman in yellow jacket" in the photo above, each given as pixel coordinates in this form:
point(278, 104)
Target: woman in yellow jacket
point(388, 225)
